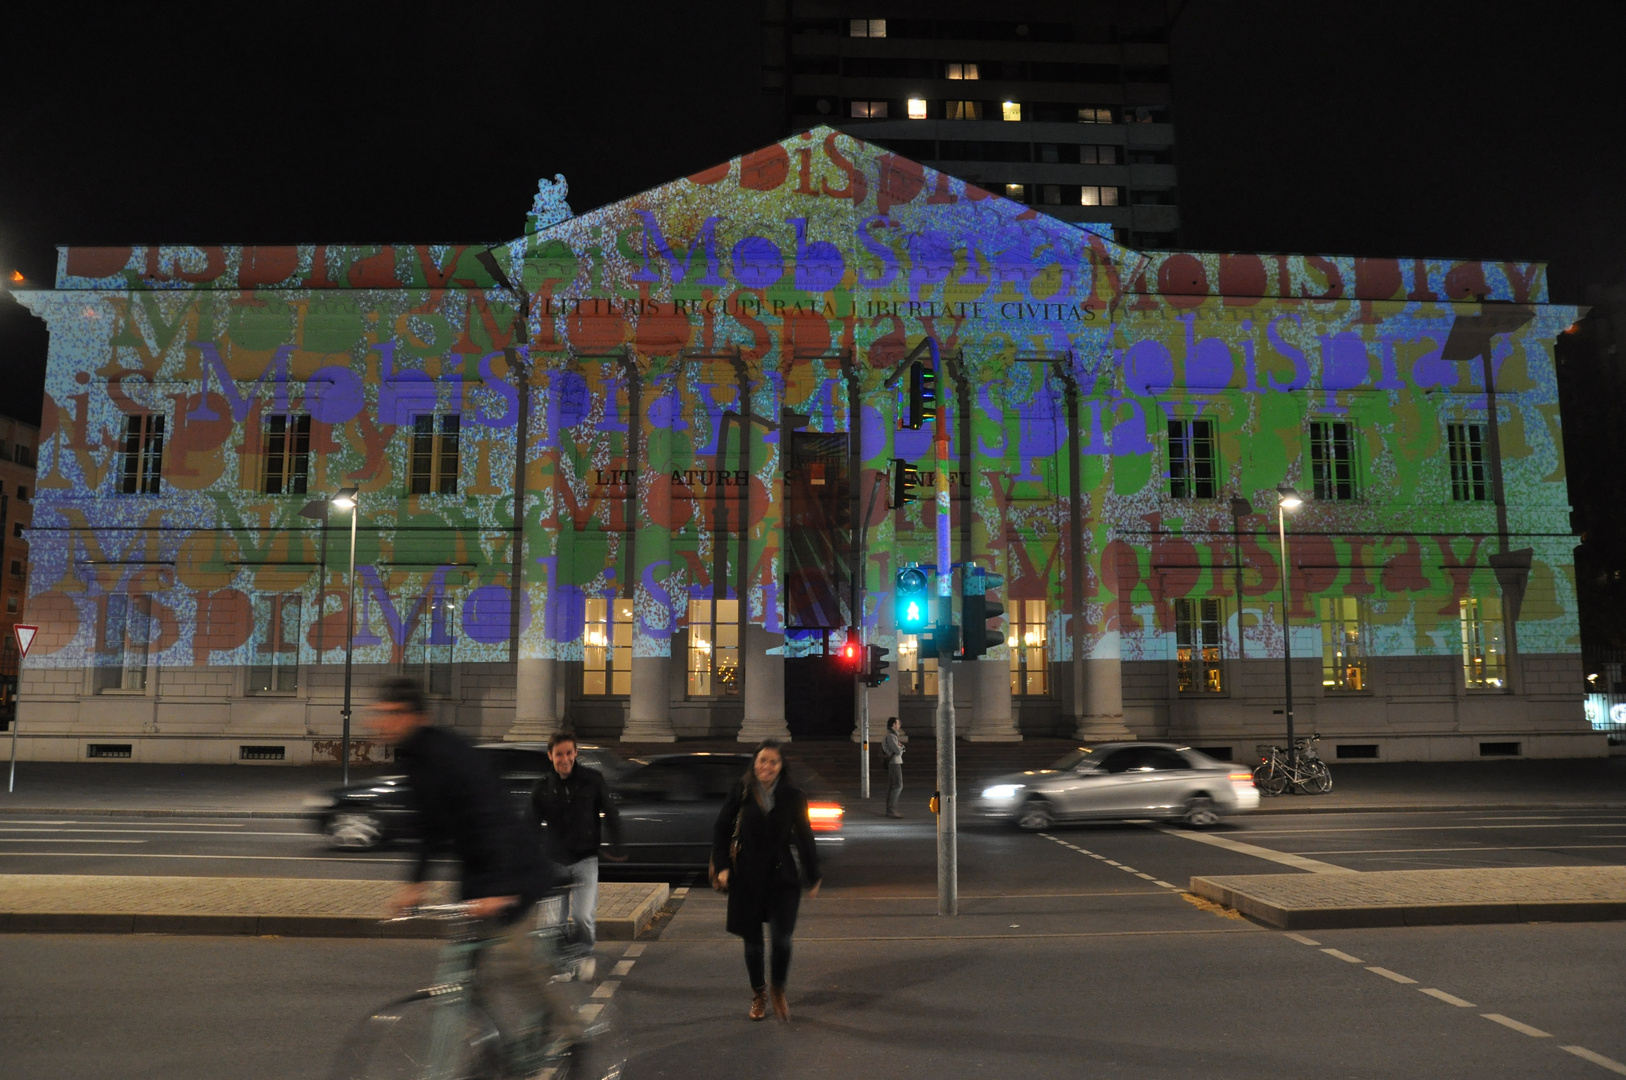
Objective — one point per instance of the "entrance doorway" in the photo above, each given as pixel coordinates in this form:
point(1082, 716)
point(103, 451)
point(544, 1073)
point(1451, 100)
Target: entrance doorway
point(819, 692)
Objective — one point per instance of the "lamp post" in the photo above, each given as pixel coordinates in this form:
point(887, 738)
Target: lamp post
point(1287, 499)
point(348, 499)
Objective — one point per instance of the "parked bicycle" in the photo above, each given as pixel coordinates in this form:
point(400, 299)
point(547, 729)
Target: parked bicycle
point(1306, 773)
point(446, 1031)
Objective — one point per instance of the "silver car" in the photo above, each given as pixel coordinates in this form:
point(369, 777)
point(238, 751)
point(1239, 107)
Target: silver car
point(1120, 780)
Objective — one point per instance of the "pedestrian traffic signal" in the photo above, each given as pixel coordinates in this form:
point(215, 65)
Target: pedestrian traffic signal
point(913, 605)
point(875, 666)
point(905, 479)
point(976, 609)
point(922, 395)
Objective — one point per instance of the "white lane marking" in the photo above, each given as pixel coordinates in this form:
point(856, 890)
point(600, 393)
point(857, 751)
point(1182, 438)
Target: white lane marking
point(1344, 956)
point(1597, 1059)
point(622, 967)
point(606, 990)
point(634, 950)
point(1165, 884)
point(1449, 999)
point(1392, 976)
point(1302, 940)
point(55, 840)
point(1093, 855)
point(1109, 862)
point(1523, 1029)
point(1298, 862)
point(1148, 877)
point(1127, 869)
point(683, 891)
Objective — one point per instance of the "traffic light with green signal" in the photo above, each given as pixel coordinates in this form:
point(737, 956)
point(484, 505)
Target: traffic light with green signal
point(976, 609)
point(905, 479)
point(875, 669)
point(922, 395)
point(913, 606)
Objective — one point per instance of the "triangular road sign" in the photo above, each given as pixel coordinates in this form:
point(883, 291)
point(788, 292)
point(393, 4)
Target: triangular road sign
point(25, 637)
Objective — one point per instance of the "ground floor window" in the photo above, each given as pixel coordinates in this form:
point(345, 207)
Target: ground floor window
point(1030, 656)
point(714, 647)
point(1343, 652)
point(1198, 649)
point(1483, 652)
point(607, 652)
point(917, 675)
point(274, 668)
point(126, 633)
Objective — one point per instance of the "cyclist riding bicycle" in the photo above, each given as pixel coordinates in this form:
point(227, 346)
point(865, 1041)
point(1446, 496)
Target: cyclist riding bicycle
point(502, 873)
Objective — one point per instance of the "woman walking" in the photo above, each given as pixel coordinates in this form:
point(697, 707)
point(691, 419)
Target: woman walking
point(760, 835)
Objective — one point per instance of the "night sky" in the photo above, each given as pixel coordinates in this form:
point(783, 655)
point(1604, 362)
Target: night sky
point(1485, 129)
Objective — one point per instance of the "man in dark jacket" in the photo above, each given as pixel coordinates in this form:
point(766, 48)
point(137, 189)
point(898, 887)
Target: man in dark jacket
point(572, 804)
point(502, 873)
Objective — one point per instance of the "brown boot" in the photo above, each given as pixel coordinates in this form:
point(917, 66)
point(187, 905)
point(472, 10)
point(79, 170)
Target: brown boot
point(759, 1004)
point(781, 1008)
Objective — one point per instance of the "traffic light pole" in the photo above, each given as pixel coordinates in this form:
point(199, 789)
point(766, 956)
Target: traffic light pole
point(948, 867)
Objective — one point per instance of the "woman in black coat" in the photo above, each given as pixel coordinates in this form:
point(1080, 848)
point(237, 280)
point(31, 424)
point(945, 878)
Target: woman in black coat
point(768, 817)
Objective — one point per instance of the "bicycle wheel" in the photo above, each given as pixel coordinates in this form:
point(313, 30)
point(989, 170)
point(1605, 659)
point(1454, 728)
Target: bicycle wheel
point(399, 1042)
point(1317, 778)
point(1269, 779)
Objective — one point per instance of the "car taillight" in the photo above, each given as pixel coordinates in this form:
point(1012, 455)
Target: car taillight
point(1239, 777)
point(824, 816)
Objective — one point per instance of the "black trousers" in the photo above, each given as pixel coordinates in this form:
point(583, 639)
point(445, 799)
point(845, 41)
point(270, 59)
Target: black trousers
point(781, 954)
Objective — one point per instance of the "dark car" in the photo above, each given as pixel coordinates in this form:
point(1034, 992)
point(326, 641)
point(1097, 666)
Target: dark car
point(370, 814)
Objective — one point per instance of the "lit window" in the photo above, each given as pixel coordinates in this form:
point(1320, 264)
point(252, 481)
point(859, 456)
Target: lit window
point(1099, 196)
point(274, 668)
point(917, 675)
point(1030, 667)
point(607, 652)
point(1016, 192)
point(866, 28)
point(1343, 656)
point(142, 456)
point(962, 110)
point(960, 71)
point(434, 454)
point(1197, 643)
point(1094, 115)
point(1011, 110)
point(1482, 648)
point(917, 108)
point(869, 110)
point(1332, 459)
point(1193, 459)
point(287, 454)
point(1468, 467)
point(121, 663)
point(1098, 155)
point(714, 647)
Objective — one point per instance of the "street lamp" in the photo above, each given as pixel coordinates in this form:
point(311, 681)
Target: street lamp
point(1287, 499)
point(347, 499)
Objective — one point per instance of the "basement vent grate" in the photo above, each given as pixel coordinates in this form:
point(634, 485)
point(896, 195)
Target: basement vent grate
point(1218, 753)
point(108, 750)
point(261, 753)
point(1498, 749)
point(1357, 750)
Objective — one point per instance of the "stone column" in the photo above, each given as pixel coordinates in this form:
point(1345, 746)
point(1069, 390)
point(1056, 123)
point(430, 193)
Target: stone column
point(764, 686)
point(994, 721)
point(1103, 718)
point(649, 717)
point(536, 714)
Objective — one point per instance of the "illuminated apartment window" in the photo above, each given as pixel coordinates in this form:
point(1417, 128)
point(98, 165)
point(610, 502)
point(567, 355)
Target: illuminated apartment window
point(607, 647)
point(714, 648)
point(1092, 115)
point(1098, 155)
point(1010, 110)
point(960, 71)
point(125, 634)
point(962, 110)
point(1332, 459)
point(917, 108)
point(1198, 646)
point(866, 28)
point(1100, 196)
point(1193, 459)
point(434, 454)
point(141, 457)
point(274, 667)
point(1030, 656)
point(917, 675)
point(1469, 476)
point(1483, 666)
point(869, 110)
point(1343, 654)
point(287, 454)
point(1016, 192)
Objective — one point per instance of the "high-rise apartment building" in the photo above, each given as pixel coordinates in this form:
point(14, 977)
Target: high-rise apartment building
point(18, 448)
point(1064, 106)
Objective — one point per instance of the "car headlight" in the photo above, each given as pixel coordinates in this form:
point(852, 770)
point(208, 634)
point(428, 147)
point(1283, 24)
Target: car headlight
point(1001, 791)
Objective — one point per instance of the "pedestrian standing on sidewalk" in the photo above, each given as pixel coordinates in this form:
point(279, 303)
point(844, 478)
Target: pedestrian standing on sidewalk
point(762, 853)
point(571, 802)
point(892, 755)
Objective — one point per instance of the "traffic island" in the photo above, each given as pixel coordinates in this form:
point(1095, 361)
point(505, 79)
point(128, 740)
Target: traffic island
point(287, 907)
point(1423, 897)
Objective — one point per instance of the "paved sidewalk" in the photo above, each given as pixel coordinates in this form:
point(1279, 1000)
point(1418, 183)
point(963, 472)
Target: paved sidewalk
point(287, 907)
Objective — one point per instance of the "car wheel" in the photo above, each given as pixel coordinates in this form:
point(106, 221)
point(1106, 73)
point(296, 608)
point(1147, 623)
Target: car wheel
point(1201, 812)
point(354, 831)
point(1035, 816)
